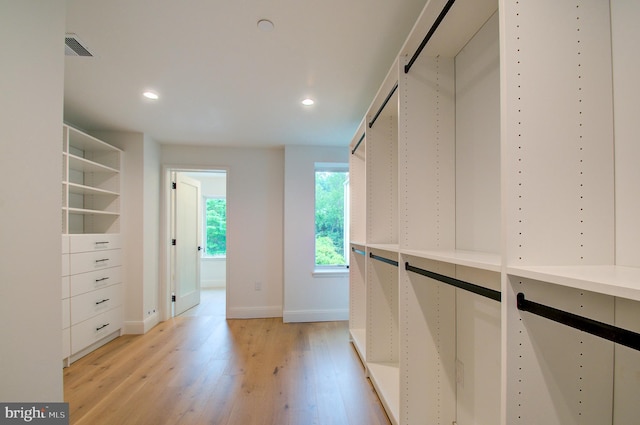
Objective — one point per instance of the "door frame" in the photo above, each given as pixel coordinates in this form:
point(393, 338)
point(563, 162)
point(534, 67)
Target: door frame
point(164, 289)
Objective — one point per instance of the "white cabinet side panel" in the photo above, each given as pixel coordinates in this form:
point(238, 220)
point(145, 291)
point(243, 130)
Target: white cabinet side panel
point(626, 68)
point(478, 141)
point(357, 193)
point(559, 132)
point(427, 155)
point(557, 375)
point(627, 366)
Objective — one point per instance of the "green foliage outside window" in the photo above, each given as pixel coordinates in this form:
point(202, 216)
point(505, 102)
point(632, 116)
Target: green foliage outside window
point(216, 231)
point(330, 217)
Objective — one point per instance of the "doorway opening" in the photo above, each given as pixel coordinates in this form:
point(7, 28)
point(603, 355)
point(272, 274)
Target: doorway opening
point(198, 276)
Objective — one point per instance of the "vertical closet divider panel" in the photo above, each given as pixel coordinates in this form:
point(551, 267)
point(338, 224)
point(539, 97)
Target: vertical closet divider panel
point(558, 202)
point(382, 327)
point(357, 237)
point(625, 34)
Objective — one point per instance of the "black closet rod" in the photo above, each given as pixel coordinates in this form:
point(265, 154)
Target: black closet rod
point(432, 30)
point(383, 259)
point(357, 251)
point(358, 144)
point(375, 117)
point(476, 289)
point(603, 330)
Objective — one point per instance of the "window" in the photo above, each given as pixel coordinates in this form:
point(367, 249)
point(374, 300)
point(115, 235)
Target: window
point(215, 224)
point(331, 206)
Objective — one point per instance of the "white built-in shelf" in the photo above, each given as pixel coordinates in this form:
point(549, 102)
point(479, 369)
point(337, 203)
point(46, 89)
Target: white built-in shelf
point(386, 380)
point(478, 260)
point(89, 190)
point(618, 281)
point(358, 243)
point(84, 211)
point(359, 338)
point(384, 246)
point(87, 166)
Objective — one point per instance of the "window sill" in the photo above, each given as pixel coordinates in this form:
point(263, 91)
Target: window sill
point(331, 272)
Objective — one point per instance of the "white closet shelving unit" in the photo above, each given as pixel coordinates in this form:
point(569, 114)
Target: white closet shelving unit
point(91, 260)
point(495, 164)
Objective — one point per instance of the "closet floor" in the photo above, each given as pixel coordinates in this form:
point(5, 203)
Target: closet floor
point(199, 368)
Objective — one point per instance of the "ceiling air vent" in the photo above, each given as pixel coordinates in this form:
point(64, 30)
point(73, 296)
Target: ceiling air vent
point(74, 47)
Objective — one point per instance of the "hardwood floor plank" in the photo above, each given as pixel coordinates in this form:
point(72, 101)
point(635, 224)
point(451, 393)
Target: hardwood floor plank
point(199, 368)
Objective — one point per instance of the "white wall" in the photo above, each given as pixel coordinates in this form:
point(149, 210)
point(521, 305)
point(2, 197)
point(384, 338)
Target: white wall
point(254, 222)
point(308, 298)
point(31, 87)
point(140, 227)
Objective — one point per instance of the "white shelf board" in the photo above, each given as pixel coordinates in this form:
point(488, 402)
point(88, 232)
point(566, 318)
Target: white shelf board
point(88, 190)
point(617, 281)
point(359, 338)
point(91, 212)
point(478, 260)
point(384, 246)
point(386, 380)
point(87, 166)
point(362, 244)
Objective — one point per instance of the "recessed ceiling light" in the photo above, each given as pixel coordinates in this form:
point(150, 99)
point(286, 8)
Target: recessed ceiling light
point(308, 102)
point(265, 25)
point(150, 95)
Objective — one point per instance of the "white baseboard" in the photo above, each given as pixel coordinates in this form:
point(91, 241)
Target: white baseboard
point(253, 312)
point(315, 315)
point(141, 327)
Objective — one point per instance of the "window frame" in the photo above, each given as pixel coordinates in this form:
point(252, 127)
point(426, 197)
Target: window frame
point(332, 270)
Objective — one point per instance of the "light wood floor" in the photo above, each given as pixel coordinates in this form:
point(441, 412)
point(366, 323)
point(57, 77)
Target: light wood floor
point(199, 368)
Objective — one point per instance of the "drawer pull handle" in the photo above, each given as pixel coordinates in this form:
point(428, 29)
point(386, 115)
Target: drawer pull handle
point(103, 301)
point(100, 280)
point(102, 327)
point(101, 242)
point(102, 260)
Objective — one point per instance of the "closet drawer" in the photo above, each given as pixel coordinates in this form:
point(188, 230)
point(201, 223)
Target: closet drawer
point(87, 282)
point(94, 242)
point(66, 314)
point(65, 264)
point(90, 261)
point(93, 303)
point(66, 343)
point(66, 293)
point(94, 329)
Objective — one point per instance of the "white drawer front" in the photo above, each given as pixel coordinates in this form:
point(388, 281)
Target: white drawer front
point(65, 265)
point(86, 282)
point(91, 261)
point(66, 343)
point(93, 242)
point(66, 314)
point(65, 244)
point(66, 292)
point(92, 330)
point(93, 303)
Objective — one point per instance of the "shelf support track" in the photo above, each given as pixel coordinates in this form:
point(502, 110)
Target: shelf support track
point(603, 330)
point(426, 39)
point(386, 100)
point(383, 259)
point(358, 144)
point(471, 287)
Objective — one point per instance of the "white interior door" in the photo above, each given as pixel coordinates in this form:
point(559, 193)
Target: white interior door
point(187, 236)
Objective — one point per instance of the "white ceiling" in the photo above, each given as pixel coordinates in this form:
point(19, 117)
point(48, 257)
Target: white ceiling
point(221, 80)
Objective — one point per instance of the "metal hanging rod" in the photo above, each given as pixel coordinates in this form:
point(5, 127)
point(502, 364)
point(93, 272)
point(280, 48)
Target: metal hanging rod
point(603, 330)
point(375, 117)
point(383, 259)
point(358, 251)
point(358, 144)
point(471, 287)
point(432, 30)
